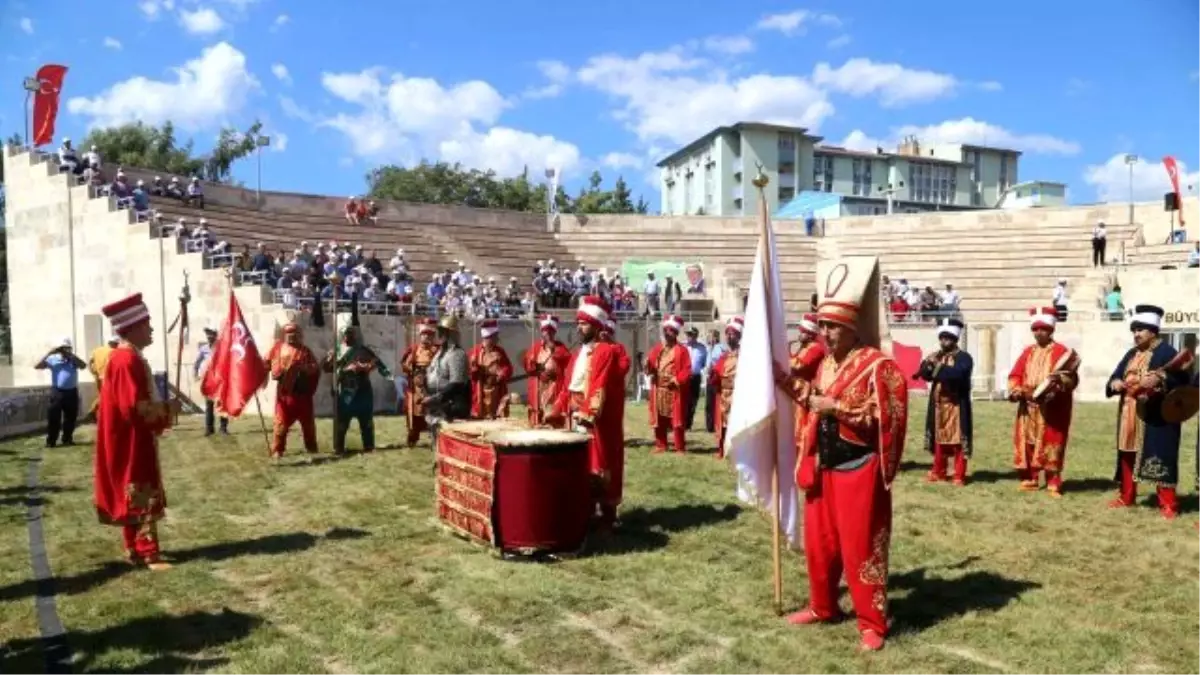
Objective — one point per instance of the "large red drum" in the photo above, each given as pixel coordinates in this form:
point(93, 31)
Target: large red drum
point(520, 490)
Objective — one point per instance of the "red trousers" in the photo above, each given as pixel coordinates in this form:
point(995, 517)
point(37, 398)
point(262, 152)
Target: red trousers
point(1032, 474)
point(1167, 500)
point(141, 541)
point(721, 434)
point(288, 411)
point(941, 457)
point(848, 527)
point(660, 435)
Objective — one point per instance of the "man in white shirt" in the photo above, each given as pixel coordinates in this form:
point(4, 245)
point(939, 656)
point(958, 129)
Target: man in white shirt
point(950, 300)
point(1060, 299)
point(650, 290)
point(1099, 242)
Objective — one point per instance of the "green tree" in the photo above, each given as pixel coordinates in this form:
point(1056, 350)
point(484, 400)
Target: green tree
point(444, 183)
point(157, 148)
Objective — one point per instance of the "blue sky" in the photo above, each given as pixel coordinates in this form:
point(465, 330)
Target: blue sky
point(617, 85)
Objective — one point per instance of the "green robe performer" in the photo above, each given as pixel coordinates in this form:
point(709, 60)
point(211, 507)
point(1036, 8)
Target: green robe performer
point(352, 369)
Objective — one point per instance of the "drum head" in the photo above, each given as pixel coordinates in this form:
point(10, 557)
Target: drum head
point(537, 437)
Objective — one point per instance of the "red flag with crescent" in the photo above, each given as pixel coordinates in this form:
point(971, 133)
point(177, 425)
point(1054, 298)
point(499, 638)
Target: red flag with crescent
point(1173, 174)
point(45, 103)
point(235, 369)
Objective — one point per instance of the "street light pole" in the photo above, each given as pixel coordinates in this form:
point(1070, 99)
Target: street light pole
point(1130, 160)
point(260, 142)
point(31, 85)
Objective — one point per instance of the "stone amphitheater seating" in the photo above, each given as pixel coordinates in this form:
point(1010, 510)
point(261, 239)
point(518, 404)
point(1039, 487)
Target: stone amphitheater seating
point(1156, 255)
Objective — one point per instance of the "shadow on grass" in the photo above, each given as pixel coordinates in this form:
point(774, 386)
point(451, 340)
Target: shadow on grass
point(1088, 485)
point(936, 599)
point(163, 643)
point(22, 495)
point(275, 544)
point(650, 529)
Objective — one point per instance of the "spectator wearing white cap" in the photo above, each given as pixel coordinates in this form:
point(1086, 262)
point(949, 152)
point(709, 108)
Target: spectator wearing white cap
point(203, 358)
point(195, 194)
point(174, 189)
point(91, 159)
point(141, 201)
point(64, 367)
point(1060, 299)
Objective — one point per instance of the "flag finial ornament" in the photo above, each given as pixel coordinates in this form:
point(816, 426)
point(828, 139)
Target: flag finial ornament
point(761, 180)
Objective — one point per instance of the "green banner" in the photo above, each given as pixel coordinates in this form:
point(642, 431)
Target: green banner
point(634, 271)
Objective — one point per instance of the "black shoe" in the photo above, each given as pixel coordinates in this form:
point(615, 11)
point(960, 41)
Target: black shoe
point(208, 432)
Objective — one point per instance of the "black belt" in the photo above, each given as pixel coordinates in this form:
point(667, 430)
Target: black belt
point(833, 450)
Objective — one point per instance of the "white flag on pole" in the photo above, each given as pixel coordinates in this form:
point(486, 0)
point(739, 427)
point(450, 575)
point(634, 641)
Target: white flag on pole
point(761, 436)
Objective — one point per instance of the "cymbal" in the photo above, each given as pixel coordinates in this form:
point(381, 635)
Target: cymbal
point(1180, 405)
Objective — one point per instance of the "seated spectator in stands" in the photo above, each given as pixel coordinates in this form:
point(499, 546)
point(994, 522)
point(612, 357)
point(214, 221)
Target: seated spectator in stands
point(371, 291)
point(1194, 256)
point(158, 188)
point(141, 201)
point(262, 264)
point(121, 191)
point(898, 308)
point(297, 263)
point(221, 254)
point(67, 160)
point(372, 213)
point(950, 301)
point(195, 194)
point(202, 240)
point(1114, 305)
point(91, 159)
point(929, 304)
point(351, 210)
point(512, 294)
point(94, 178)
point(372, 264)
point(174, 189)
point(397, 263)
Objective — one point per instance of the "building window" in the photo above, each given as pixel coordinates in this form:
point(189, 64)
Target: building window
point(708, 188)
point(862, 177)
point(786, 194)
point(1003, 173)
point(822, 173)
point(932, 183)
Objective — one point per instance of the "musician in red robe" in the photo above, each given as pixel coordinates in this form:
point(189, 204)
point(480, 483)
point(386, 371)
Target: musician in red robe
point(721, 378)
point(855, 418)
point(297, 373)
point(489, 370)
point(414, 363)
point(669, 367)
point(1041, 383)
point(128, 482)
point(594, 401)
point(805, 361)
point(546, 364)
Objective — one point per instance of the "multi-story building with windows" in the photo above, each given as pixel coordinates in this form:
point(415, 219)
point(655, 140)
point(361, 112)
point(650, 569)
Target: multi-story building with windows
point(712, 175)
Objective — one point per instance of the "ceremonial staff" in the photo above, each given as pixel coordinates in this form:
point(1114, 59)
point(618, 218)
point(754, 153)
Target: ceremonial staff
point(336, 280)
point(536, 403)
point(185, 296)
point(409, 380)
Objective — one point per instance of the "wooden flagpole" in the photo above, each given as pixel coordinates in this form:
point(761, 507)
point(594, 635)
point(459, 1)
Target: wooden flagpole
point(760, 182)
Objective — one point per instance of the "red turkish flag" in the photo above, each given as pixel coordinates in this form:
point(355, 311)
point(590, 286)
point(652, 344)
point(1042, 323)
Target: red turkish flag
point(909, 360)
point(45, 103)
point(235, 369)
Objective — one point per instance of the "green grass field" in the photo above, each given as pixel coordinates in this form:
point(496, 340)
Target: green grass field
point(340, 566)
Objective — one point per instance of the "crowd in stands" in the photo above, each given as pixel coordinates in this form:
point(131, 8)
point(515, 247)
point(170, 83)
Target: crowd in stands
point(360, 209)
point(909, 303)
point(90, 171)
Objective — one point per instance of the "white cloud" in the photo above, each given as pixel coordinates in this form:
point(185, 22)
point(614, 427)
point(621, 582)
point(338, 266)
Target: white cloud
point(112, 43)
point(557, 75)
point(203, 21)
point(295, 110)
point(894, 84)
point(26, 25)
point(280, 22)
point(280, 72)
point(622, 160)
point(206, 91)
point(838, 42)
point(669, 97)
point(240, 5)
point(410, 118)
point(1150, 180)
point(965, 130)
point(279, 142)
point(729, 44)
point(1076, 86)
point(991, 86)
point(152, 8)
point(793, 23)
